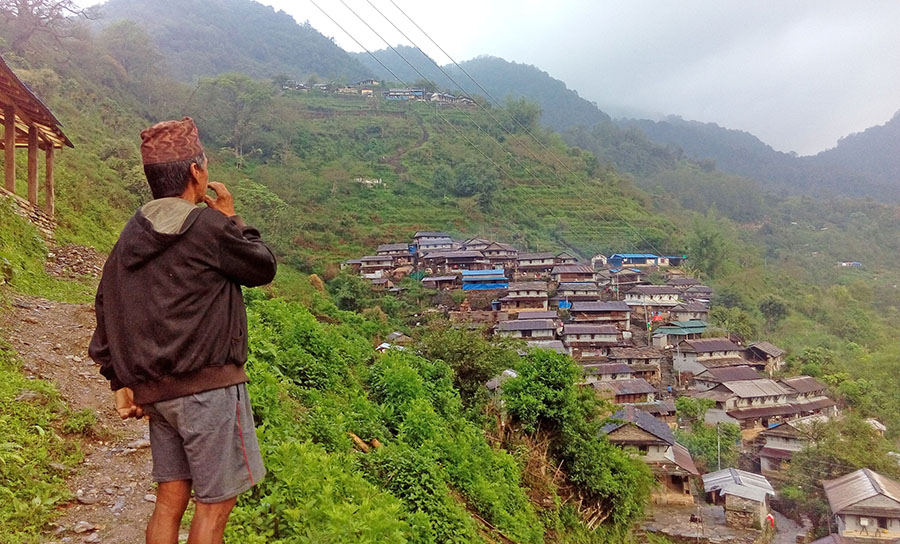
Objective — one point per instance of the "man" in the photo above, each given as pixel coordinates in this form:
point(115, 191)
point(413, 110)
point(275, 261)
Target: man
point(171, 334)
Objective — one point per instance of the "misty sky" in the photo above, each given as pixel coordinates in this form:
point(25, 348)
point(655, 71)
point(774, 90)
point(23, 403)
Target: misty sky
point(799, 75)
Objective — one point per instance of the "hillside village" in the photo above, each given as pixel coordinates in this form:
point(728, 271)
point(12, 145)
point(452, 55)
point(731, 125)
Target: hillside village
point(641, 345)
point(371, 89)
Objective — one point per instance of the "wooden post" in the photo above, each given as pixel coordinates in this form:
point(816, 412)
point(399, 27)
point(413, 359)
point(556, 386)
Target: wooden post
point(32, 164)
point(9, 145)
point(49, 194)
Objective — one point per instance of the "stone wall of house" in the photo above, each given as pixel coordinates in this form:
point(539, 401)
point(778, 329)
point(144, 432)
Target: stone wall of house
point(38, 217)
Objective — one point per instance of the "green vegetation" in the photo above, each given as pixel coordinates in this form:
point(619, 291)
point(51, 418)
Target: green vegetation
point(33, 457)
point(708, 444)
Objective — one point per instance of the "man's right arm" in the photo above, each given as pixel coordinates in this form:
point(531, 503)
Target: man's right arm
point(243, 256)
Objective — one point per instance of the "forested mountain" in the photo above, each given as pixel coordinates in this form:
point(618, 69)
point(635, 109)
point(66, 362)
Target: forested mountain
point(242, 36)
point(864, 164)
point(562, 107)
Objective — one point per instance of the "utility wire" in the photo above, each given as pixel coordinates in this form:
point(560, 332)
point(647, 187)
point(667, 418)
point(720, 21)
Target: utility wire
point(495, 101)
point(464, 112)
point(454, 127)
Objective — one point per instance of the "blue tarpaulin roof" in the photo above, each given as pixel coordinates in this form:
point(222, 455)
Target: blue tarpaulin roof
point(494, 272)
point(634, 256)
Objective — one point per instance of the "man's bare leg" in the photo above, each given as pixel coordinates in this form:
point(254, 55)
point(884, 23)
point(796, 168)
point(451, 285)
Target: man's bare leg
point(208, 525)
point(171, 501)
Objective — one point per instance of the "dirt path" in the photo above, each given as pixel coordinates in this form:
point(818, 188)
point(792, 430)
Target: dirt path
point(394, 160)
point(114, 495)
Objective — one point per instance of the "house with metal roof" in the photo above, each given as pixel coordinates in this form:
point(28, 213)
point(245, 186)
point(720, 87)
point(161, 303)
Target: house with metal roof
point(535, 265)
point(590, 340)
point(608, 313)
point(769, 354)
point(782, 441)
point(744, 495)
point(672, 333)
point(689, 311)
point(569, 292)
point(865, 505)
point(670, 462)
point(711, 377)
point(543, 329)
point(552, 345)
point(697, 355)
point(631, 391)
point(563, 273)
point(525, 297)
point(620, 260)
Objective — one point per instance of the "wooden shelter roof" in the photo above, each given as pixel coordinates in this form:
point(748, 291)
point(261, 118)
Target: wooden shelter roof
point(29, 110)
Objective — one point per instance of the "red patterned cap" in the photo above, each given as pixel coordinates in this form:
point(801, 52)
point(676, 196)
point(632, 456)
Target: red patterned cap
point(170, 141)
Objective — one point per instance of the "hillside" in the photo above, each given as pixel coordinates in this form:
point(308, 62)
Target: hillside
point(561, 107)
point(231, 40)
point(861, 165)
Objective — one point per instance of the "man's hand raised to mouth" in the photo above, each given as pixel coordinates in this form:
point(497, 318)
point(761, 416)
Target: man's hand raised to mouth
point(223, 202)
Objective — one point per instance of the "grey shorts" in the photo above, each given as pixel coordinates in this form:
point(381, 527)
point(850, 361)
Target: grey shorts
point(208, 438)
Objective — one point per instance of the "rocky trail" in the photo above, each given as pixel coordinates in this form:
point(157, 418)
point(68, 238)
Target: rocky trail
point(113, 494)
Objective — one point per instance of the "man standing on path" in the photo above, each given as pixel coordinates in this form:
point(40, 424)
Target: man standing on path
point(171, 334)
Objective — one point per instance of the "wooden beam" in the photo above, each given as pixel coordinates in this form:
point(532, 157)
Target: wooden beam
point(50, 192)
point(32, 164)
point(9, 145)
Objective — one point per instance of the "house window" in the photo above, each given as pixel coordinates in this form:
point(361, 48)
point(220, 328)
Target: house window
point(882, 523)
point(526, 334)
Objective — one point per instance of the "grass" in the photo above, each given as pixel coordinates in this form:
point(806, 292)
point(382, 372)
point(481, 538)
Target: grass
point(34, 457)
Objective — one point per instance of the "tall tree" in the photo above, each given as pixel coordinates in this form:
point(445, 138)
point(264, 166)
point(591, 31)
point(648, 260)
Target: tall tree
point(27, 19)
point(231, 107)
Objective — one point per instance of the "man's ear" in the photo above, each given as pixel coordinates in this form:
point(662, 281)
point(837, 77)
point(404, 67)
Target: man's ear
point(195, 171)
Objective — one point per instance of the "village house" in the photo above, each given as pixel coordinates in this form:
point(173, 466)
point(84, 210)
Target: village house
point(476, 244)
point(590, 340)
point(603, 278)
point(495, 384)
point(381, 284)
point(865, 505)
point(745, 496)
point(449, 261)
point(481, 280)
point(661, 409)
point(809, 396)
point(353, 265)
point(376, 266)
point(612, 313)
point(398, 252)
point(645, 361)
point(623, 279)
point(628, 260)
point(689, 311)
point(537, 329)
point(606, 372)
point(762, 403)
point(426, 242)
point(695, 356)
point(441, 283)
point(442, 98)
point(632, 391)
point(565, 273)
point(712, 377)
point(525, 297)
point(534, 265)
point(404, 95)
point(565, 258)
point(367, 83)
point(682, 283)
point(347, 90)
point(567, 293)
point(673, 333)
point(649, 299)
point(698, 293)
point(653, 440)
point(768, 354)
point(782, 441)
point(501, 255)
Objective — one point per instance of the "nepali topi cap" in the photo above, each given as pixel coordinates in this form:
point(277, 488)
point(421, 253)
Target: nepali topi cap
point(170, 141)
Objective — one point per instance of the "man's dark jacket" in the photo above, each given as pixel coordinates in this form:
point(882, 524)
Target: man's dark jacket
point(170, 315)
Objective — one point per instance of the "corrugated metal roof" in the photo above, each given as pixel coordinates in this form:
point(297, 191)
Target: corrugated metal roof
point(643, 421)
point(644, 352)
point(572, 269)
point(608, 368)
point(535, 256)
point(769, 349)
point(804, 384)
point(634, 386)
point(848, 490)
point(653, 290)
point(585, 328)
point(540, 314)
point(527, 325)
point(554, 345)
point(440, 278)
point(600, 307)
point(730, 374)
point(492, 272)
point(683, 459)
point(747, 389)
point(528, 286)
point(708, 345)
point(732, 481)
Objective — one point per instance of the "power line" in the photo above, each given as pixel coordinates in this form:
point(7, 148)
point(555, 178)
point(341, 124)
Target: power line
point(469, 117)
point(489, 96)
point(456, 129)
